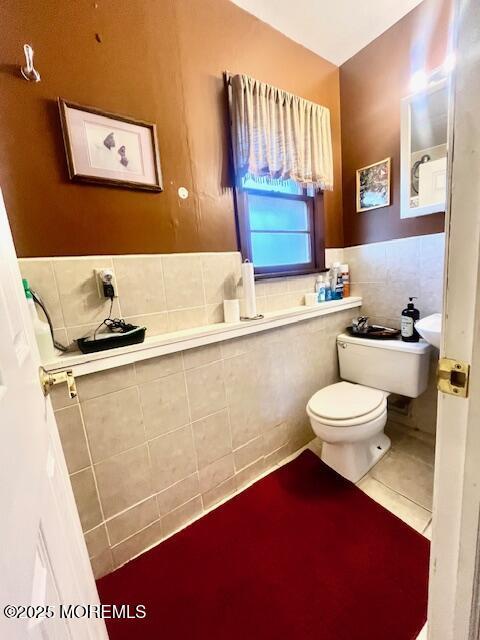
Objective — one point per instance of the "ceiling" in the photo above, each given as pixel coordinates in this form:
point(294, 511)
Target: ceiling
point(334, 29)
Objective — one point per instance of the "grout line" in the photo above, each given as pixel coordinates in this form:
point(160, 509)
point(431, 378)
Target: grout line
point(149, 454)
point(94, 475)
point(164, 289)
point(189, 409)
point(429, 523)
point(202, 273)
point(251, 463)
point(126, 256)
point(136, 533)
point(398, 449)
point(121, 513)
point(399, 493)
point(57, 291)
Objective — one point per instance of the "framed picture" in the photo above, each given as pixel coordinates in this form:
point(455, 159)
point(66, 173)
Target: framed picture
point(373, 186)
point(106, 148)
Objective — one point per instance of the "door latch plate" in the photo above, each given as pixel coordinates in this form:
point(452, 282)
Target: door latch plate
point(453, 377)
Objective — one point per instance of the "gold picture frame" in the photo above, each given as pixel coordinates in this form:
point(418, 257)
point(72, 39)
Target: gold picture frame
point(110, 149)
point(373, 186)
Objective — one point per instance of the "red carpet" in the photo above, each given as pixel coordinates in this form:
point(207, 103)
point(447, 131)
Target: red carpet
point(302, 554)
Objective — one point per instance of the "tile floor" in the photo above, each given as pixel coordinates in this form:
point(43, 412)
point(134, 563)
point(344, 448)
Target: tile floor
point(402, 481)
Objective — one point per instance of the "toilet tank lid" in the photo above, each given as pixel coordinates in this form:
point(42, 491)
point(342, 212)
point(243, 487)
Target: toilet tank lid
point(344, 400)
point(393, 345)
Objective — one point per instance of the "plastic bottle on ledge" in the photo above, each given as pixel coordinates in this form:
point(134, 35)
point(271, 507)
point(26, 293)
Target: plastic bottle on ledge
point(345, 280)
point(41, 329)
point(410, 317)
point(328, 291)
point(321, 291)
point(336, 283)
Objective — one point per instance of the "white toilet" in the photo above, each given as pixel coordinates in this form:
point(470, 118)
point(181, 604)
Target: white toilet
point(350, 418)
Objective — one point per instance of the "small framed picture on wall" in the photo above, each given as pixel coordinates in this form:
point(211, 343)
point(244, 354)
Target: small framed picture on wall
point(373, 186)
point(110, 149)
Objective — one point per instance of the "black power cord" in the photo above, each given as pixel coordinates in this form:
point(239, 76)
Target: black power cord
point(104, 322)
point(41, 304)
point(115, 325)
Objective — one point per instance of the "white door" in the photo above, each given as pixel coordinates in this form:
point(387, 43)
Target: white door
point(43, 558)
point(455, 554)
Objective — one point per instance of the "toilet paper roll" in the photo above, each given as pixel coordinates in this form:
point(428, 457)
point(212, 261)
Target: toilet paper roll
point(231, 311)
point(248, 283)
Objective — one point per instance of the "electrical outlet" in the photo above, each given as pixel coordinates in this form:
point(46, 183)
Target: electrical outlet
point(106, 284)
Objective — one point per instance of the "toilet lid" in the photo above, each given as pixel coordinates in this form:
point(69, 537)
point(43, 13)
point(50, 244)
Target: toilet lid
point(344, 400)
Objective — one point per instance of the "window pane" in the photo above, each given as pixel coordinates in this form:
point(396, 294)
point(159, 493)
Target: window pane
point(270, 249)
point(270, 213)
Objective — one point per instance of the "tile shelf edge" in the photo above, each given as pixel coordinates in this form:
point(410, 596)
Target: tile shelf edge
point(166, 343)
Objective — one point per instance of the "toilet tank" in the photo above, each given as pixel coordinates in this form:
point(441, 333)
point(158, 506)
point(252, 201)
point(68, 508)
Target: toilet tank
point(390, 365)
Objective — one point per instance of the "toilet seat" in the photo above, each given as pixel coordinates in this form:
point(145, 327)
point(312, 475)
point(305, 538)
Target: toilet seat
point(350, 422)
point(346, 405)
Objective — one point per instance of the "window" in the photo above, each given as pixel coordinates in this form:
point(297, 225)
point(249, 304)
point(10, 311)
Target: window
point(280, 226)
point(275, 133)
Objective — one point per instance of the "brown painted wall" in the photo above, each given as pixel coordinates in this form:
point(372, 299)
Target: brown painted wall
point(158, 60)
point(372, 84)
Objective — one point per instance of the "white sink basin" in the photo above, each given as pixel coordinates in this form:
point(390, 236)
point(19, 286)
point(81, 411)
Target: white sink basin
point(430, 328)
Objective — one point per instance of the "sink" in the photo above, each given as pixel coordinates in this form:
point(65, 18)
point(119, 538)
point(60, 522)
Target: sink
point(430, 328)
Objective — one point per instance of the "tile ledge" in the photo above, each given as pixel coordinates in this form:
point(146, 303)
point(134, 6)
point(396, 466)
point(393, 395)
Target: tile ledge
point(166, 343)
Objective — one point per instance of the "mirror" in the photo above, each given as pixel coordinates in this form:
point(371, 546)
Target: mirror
point(424, 127)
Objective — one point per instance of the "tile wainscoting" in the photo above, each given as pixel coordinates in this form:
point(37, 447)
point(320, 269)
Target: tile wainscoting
point(154, 444)
point(165, 293)
point(385, 274)
point(169, 293)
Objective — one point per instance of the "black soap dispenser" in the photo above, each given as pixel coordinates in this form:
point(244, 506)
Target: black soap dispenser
point(410, 315)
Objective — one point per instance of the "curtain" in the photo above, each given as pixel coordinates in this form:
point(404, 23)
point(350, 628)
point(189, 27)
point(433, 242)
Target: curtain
point(279, 136)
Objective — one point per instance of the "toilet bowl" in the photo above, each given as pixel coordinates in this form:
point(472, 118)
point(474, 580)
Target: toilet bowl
point(350, 416)
point(349, 419)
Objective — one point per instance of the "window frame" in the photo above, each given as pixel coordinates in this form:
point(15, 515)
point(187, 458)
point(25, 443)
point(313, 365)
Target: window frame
point(315, 210)
point(315, 204)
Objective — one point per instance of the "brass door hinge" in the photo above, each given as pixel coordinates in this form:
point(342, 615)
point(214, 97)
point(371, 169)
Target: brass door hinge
point(453, 377)
point(48, 380)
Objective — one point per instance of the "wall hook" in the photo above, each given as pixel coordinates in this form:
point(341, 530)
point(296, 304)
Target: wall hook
point(28, 71)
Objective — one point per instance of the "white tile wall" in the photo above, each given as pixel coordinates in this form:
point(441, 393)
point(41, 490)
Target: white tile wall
point(385, 274)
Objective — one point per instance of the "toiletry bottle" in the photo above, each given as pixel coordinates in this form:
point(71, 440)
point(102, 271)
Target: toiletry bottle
point(345, 280)
point(410, 315)
point(339, 288)
point(332, 278)
point(321, 290)
point(336, 281)
point(318, 281)
point(41, 329)
point(328, 290)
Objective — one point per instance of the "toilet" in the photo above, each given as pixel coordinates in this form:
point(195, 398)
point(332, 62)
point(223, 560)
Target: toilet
point(350, 416)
